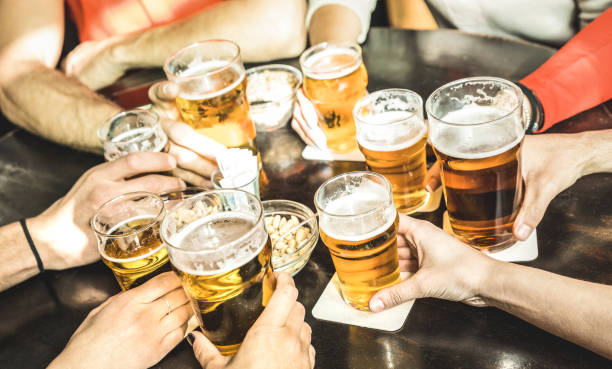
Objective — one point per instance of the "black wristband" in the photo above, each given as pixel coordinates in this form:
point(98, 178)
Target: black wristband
point(536, 120)
point(24, 226)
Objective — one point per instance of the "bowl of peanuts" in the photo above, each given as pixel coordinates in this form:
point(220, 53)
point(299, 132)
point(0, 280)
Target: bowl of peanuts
point(292, 242)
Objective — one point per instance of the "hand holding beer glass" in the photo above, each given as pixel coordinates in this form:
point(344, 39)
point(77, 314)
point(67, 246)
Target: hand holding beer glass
point(219, 247)
point(127, 228)
point(335, 78)
point(392, 136)
point(211, 80)
point(476, 129)
point(358, 223)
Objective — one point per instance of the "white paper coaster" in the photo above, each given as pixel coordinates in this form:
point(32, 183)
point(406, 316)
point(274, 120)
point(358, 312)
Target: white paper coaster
point(314, 153)
point(331, 307)
point(521, 251)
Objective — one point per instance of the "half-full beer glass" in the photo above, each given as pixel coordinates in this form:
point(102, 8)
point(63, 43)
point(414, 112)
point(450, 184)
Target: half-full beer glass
point(358, 223)
point(334, 80)
point(212, 91)
point(392, 136)
point(219, 247)
point(476, 128)
point(127, 228)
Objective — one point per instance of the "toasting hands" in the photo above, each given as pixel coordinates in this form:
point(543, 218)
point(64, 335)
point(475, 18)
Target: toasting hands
point(279, 338)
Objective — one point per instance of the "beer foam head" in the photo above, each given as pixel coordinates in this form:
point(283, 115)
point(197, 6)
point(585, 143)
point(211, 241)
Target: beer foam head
point(332, 62)
point(216, 244)
point(390, 131)
point(470, 136)
point(359, 214)
point(209, 84)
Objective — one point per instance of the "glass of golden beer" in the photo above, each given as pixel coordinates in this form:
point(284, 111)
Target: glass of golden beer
point(212, 91)
point(476, 128)
point(392, 136)
point(127, 228)
point(335, 78)
point(219, 247)
point(358, 223)
point(132, 131)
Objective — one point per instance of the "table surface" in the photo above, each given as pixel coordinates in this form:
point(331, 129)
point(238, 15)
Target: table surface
point(38, 316)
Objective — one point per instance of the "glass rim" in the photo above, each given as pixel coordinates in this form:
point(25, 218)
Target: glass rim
point(519, 102)
point(230, 62)
point(217, 185)
point(122, 114)
point(348, 174)
point(374, 94)
point(322, 46)
point(222, 247)
point(155, 218)
point(288, 68)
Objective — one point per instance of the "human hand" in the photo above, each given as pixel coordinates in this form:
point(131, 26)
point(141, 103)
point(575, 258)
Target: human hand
point(133, 329)
point(62, 232)
point(194, 153)
point(279, 338)
point(550, 163)
point(92, 64)
point(305, 122)
point(443, 267)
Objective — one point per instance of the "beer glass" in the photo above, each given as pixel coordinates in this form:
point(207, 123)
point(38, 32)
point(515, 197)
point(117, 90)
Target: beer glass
point(392, 136)
point(212, 91)
point(127, 228)
point(219, 247)
point(476, 128)
point(358, 223)
point(132, 131)
point(335, 78)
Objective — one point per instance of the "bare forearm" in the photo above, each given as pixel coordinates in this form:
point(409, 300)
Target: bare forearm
point(598, 149)
point(18, 261)
point(575, 310)
point(334, 23)
point(410, 14)
point(263, 29)
point(49, 104)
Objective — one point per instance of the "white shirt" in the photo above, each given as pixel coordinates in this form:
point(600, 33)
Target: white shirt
point(552, 22)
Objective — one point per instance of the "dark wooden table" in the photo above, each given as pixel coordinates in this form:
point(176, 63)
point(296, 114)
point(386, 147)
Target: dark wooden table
point(575, 237)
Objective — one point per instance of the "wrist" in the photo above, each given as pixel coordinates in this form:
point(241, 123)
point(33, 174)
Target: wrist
point(43, 238)
point(492, 287)
point(595, 148)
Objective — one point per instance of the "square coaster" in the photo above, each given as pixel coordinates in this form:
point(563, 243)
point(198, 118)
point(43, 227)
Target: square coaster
point(314, 153)
point(521, 251)
point(331, 307)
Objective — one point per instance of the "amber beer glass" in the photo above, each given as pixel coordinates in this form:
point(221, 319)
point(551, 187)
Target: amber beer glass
point(219, 247)
point(476, 127)
point(212, 91)
point(358, 223)
point(335, 78)
point(392, 136)
point(127, 228)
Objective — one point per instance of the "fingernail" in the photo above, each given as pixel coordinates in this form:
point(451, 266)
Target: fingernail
point(523, 232)
point(376, 305)
point(167, 89)
point(189, 338)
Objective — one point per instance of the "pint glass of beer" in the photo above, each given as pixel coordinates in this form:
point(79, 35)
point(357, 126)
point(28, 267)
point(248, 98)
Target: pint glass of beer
point(476, 128)
point(212, 91)
point(392, 136)
point(334, 80)
point(132, 131)
point(127, 228)
point(219, 247)
point(358, 223)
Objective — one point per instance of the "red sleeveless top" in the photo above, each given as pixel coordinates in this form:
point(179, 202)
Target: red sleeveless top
point(100, 19)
